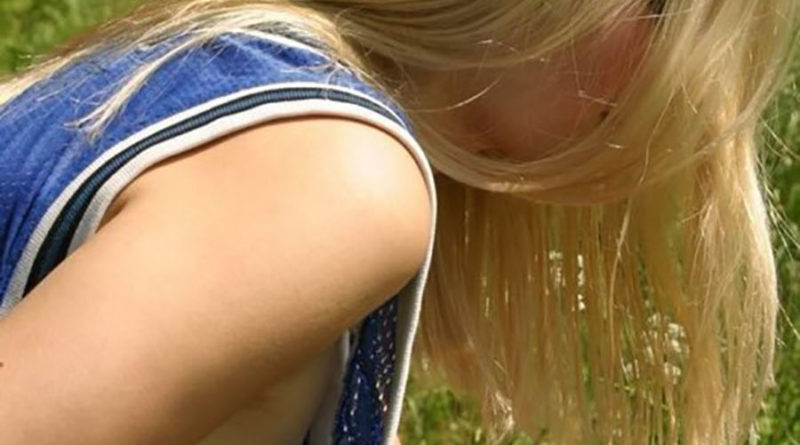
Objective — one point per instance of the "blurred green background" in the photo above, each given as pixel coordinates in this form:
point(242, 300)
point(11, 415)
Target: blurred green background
point(437, 416)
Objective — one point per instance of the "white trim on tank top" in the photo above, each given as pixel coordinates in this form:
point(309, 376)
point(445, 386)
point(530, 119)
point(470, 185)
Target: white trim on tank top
point(410, 297)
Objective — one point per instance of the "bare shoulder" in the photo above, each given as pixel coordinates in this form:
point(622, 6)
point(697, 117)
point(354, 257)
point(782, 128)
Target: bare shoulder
point(222, 272)
point(336, 170)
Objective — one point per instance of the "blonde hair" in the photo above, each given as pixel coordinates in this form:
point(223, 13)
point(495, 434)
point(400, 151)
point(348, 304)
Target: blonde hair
point(620, 290)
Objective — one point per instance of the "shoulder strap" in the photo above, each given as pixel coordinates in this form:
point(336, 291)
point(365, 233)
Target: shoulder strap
point(236, 82)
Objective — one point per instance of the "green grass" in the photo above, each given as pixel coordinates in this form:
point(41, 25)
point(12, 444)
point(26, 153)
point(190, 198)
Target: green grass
point(31, 27)
point(780, 423)
point(437, 416)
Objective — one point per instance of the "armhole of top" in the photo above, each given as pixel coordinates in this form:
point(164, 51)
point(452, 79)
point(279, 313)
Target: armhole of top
point(75, 215)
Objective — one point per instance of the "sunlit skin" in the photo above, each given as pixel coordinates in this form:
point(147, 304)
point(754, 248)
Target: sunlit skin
point(536, 107)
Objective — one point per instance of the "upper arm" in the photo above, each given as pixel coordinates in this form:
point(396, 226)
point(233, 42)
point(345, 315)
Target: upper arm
point(227, 267)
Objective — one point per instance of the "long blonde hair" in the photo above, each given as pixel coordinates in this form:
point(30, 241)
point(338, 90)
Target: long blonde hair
point(621, 290)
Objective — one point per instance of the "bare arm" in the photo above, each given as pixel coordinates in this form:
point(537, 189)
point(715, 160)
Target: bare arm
point(225, 270)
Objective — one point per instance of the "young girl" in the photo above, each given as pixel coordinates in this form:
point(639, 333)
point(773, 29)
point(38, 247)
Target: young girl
point(217, 221)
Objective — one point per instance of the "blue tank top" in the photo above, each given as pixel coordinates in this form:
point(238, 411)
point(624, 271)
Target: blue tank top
point(55, 184)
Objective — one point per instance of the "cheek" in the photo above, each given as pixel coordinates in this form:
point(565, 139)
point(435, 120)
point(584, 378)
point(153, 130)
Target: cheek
point(594, 74)
point(538, 107)
point(609, 63)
